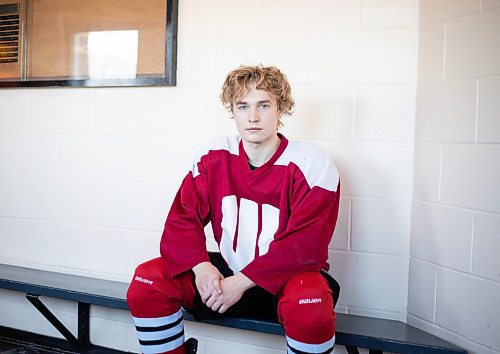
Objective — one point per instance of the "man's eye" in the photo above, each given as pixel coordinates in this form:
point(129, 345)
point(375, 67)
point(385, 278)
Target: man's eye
point(242, 108)
point(263, 106)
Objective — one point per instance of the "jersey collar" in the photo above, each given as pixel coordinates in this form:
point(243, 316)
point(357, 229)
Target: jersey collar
point(260, 170)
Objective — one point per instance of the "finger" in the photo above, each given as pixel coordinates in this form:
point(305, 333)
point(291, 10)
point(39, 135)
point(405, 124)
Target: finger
point(208, 288)
point(215, 307)
point(212, 299)
point(223, 308)
point(217, 286)
point(204, 297)
point(216, 296)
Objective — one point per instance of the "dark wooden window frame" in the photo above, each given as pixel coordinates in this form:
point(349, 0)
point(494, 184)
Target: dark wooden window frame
point(169, 78)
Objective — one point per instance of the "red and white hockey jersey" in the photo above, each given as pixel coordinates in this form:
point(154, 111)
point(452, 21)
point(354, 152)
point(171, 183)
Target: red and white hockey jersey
point(270, 223)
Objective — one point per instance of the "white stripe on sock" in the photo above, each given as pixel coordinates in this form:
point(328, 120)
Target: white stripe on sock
point(310, 348)
point(161, 334)
point(151, 349)
point(157, 321)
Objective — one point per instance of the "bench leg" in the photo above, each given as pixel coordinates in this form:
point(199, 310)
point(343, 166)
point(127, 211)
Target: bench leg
point(354, 350)
point(83, 322)
point(351, 350)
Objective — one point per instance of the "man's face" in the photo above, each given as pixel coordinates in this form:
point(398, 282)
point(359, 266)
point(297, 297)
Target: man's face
point(256, 116)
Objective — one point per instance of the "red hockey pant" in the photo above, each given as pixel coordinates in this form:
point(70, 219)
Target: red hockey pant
point(305, 309)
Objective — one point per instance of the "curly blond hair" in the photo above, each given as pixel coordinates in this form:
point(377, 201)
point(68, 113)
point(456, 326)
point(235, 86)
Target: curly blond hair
point(269, 78)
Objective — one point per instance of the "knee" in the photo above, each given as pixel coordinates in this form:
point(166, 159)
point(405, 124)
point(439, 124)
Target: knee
point(145, 282)
point(306, 307)
point(312, 323)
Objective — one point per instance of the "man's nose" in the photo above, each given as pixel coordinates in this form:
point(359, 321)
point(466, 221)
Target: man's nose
point(254, 115)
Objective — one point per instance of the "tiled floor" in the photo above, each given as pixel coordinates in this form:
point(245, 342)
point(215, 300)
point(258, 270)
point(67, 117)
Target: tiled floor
point(14, 346)
point(14, 341)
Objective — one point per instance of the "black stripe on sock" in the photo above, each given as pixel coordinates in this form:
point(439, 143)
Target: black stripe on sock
point(159, 328)
point(162, 341)
point(301, 352)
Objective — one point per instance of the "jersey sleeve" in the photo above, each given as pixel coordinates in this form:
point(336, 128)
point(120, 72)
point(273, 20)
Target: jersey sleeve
point(183, 242)
point(303, 244)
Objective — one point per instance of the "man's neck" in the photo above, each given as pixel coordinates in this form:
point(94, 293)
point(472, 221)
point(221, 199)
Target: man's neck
point(259, 154)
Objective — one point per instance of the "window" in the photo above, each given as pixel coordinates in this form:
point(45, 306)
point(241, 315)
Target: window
point(87, 42)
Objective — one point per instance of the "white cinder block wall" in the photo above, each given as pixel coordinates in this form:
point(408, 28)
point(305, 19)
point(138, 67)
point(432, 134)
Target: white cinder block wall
point(454, 280)
point(87, 175)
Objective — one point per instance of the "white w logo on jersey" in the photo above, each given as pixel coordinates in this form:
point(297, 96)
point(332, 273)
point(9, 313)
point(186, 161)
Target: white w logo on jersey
point(247, 230)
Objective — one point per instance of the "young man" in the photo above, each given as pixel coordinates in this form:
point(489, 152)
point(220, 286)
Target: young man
point(273, 206)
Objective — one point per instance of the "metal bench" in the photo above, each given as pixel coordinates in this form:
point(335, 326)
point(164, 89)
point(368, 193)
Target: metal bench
point(353, 332)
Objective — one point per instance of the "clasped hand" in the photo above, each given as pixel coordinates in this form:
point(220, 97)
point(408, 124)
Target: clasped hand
point(217, 292)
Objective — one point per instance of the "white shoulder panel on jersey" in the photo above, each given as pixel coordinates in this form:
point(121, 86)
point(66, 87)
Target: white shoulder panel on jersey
point(229, 143)
point(314, 162)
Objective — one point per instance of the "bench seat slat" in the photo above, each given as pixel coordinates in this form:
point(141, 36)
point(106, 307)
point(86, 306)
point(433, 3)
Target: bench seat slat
point(390, 331)
point(64, 286)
